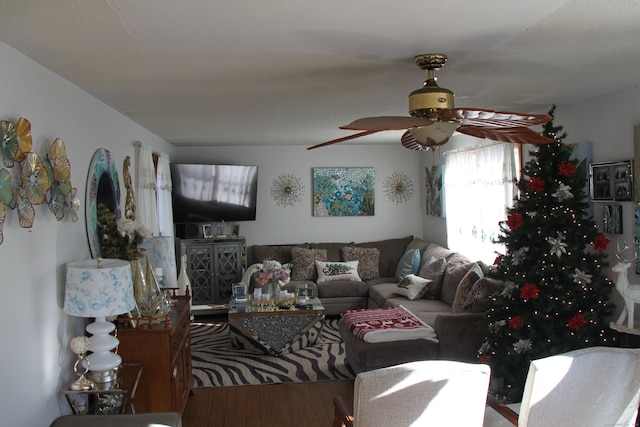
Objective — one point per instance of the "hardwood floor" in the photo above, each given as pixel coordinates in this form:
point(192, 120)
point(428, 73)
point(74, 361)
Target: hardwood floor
point(269, 405)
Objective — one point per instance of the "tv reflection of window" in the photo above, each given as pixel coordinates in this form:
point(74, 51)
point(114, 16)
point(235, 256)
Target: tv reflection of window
point(222, 183)
point(209, 192)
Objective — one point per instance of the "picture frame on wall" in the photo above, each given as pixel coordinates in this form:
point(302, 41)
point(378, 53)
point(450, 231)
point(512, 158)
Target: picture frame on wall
point(612, 219)
point(612, 181)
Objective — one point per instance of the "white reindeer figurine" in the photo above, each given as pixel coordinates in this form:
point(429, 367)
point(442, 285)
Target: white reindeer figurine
point(630, 293)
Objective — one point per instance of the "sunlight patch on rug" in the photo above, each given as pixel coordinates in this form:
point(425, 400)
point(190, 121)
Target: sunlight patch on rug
point(217, 363)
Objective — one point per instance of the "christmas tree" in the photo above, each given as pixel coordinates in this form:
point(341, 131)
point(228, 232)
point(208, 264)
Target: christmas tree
point(555, 296)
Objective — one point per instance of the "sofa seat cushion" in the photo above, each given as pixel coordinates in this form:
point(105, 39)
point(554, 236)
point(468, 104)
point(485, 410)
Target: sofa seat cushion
point(420, 305)
point(343, 288)
point(382, 291)
point(380, 280)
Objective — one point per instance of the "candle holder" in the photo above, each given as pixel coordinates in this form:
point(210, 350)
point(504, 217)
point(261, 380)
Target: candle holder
point(80, 345)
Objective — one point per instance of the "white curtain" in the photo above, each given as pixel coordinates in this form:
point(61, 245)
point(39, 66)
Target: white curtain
point(165, 211)
point(146, 188)
point(479, 186)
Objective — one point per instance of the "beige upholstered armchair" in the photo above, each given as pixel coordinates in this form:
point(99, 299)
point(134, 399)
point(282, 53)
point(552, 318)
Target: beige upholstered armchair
point(597, 386)
point(433, 392)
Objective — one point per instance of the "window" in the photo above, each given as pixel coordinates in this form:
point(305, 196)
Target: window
point(479, 186)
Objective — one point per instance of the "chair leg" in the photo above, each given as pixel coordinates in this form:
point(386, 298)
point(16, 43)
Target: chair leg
point(341, 416)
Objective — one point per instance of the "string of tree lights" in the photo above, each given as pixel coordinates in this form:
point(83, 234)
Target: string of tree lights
point(555, 296)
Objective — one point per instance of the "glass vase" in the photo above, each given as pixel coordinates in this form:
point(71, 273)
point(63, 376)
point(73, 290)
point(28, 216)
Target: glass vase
point(143, 291)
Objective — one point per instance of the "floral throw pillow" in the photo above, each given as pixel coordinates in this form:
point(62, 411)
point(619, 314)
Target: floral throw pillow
point(331, 271)
point(303, 262)
point(368, 260)
point(413, 287)
point(464, 288)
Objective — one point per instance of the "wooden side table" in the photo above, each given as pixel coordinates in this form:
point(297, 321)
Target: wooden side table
point(116, 397)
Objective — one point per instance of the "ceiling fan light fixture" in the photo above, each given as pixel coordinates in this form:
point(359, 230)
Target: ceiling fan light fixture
point(435, 135)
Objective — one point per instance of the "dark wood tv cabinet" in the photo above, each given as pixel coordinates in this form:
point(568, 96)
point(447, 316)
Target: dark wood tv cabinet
point(163, 346)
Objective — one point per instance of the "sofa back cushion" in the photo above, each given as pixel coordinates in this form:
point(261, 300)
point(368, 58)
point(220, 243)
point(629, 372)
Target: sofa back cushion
point(391, 250)
point(433, 269)
point(457, 266)
point(334, 250)
point(282, 253)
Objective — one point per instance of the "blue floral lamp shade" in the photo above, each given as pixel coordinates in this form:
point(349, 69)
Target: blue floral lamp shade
point(100, 288)
point(161, 252)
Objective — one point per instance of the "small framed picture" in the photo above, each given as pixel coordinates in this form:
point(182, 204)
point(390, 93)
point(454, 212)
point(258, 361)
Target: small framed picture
point(235, 230)
point(612, 181)
point(612, 219)
point(207, 232)
point(240, 291)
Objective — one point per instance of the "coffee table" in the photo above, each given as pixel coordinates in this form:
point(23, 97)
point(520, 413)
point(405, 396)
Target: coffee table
point(274, 331)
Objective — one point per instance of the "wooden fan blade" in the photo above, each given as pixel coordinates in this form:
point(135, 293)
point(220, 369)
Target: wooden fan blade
point(410, 142)
point(344, 138)
point(516, 135)
point(494, 119)
point(387, 123)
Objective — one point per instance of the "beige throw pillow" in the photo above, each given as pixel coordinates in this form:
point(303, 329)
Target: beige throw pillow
point(368, 260)
point(303, 262)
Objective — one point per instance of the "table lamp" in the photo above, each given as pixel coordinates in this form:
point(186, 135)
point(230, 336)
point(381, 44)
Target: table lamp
point(99, 288)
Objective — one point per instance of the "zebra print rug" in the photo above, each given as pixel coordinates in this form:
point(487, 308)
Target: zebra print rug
point(217, 363)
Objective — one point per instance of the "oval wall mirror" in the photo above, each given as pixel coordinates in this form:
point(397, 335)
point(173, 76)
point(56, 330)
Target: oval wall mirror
point(102, 187)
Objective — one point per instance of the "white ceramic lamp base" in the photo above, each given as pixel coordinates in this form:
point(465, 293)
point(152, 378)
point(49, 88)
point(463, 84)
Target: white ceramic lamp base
point(103, 363)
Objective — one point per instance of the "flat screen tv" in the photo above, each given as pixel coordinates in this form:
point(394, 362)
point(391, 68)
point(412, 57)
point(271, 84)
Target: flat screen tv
point(213, 193)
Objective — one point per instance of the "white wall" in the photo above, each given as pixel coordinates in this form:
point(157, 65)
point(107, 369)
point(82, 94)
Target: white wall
point(608, 121)
point(277, 225)
point(35, 362)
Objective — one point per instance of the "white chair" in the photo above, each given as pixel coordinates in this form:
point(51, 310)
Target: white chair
point(596, 386)
point(434, 392)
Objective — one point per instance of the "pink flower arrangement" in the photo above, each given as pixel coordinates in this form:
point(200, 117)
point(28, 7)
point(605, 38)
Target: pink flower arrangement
point(271, 271)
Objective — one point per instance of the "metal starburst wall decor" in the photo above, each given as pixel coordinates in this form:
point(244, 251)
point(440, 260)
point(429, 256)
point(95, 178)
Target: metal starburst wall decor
point(398, 188)
point(287, 190)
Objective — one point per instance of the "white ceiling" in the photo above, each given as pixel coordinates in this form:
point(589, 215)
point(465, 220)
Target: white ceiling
point(247, 72)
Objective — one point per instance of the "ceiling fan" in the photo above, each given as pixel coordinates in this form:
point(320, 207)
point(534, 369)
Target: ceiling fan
point(434, 119)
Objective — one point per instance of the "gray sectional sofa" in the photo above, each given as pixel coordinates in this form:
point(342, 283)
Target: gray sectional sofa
point(453, 306)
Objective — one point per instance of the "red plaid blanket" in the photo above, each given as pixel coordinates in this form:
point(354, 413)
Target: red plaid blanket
point(387, 324)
